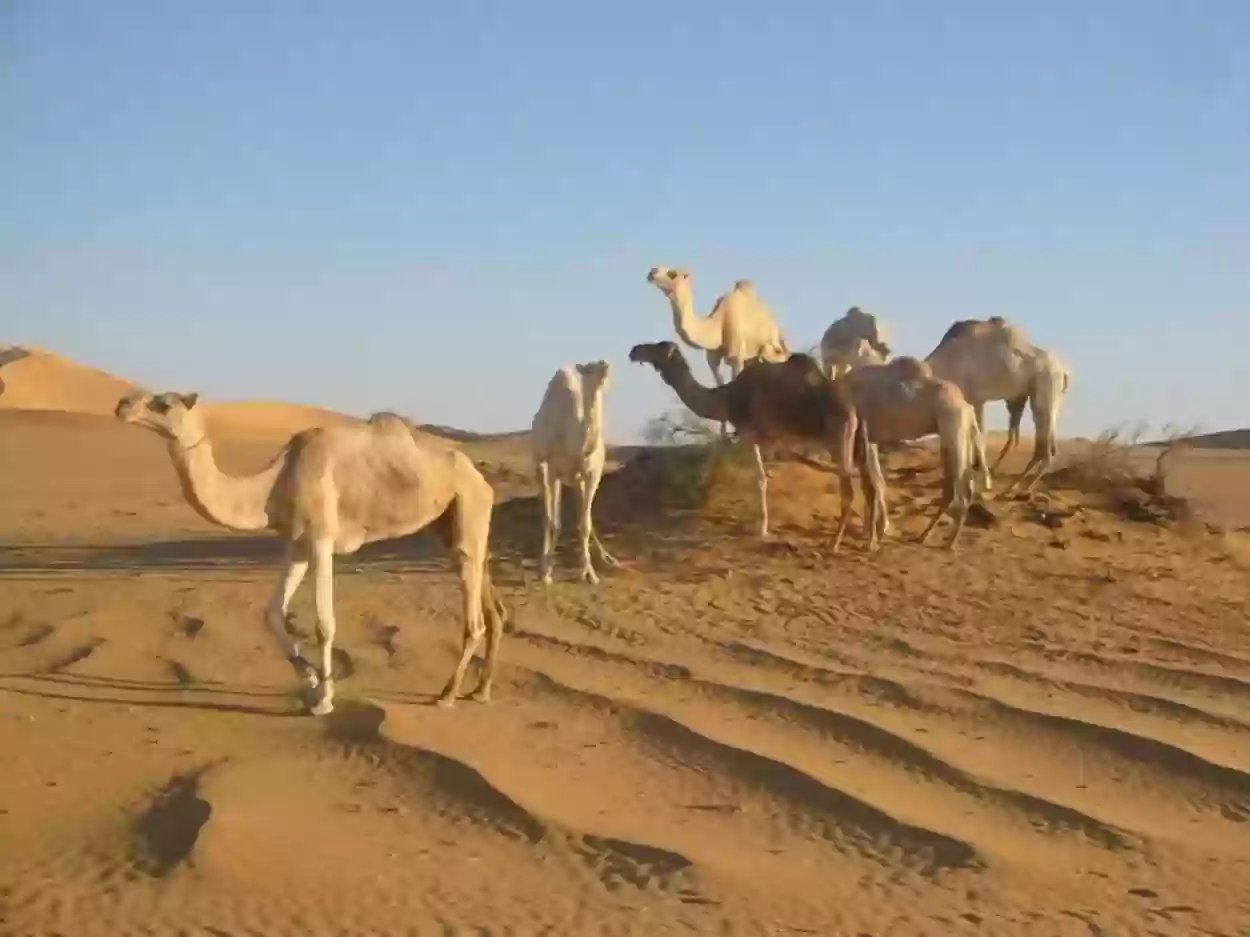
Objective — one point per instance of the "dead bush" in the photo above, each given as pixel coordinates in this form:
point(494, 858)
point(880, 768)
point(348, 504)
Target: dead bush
point(689, 461)
point(1113, 469)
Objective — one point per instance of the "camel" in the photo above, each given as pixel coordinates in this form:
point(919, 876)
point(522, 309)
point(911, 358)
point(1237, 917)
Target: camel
point(841, 348)
point(993, 360)
point(771, 401)
point(739, 330)
point(902, 401)
point(330, 490)
point(567, 437)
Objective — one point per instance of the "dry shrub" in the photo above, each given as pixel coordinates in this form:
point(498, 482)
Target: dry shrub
point(692, 464)
point(1110, 469)
point(684, 469)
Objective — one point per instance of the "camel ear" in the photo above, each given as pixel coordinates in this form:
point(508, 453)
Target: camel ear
point(189, 400)
point(681, 273)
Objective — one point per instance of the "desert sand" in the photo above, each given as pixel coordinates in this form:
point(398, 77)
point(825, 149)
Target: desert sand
point(1046, 732)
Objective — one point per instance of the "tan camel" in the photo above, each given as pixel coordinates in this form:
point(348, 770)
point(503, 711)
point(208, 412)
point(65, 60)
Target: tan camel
point(739, 330)
point(993, 360)
point(567, 438)
point(774, 401)
point(331, 490)
point(856, 338)
point(902, 401)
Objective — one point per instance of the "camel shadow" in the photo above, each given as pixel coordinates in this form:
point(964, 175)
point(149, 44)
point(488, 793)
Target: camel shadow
point(420, 551)
point(138, 694)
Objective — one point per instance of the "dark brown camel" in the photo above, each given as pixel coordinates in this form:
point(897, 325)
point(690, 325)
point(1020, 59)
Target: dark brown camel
point(774, 401)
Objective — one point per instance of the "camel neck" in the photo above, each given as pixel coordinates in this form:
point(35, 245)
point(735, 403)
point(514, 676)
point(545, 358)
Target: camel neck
point(706, 402)
point(694, 330)
point(592, 418)
point(236, 502)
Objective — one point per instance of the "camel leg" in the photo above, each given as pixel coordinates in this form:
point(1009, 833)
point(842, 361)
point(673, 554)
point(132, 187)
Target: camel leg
point(551, 520)
point(588, 573)
point(957, 486)
point(843, 459)
point(544, 554)
point(961, 517)
point(983, 481)
point(1015, 414)
point(876, 515)
point(474, 542)
point(323, 571)
point(1045, 422)
point(491, 611)
point(937, 516)
point(472, 560)
point(606, 558)
point(276, 609)
point(846, 489)
point(761, 474)
point(594, 477)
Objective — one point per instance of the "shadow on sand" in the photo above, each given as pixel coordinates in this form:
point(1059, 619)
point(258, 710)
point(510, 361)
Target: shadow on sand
point(516, 536)
point(80, 688)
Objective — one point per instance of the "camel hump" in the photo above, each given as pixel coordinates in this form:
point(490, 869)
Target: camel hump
point(387, 423)
point(803, 370)
point(910, 369)
point(994, 325)
point(385, 419)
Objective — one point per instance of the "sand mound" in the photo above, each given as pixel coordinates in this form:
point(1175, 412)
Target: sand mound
point(41, 381)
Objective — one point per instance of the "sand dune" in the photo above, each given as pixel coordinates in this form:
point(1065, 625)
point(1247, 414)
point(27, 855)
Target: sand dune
point(38, 380)
point(1045, 733)
point(35, 380)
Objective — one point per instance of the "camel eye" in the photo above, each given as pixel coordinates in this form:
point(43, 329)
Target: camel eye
point(159, 405)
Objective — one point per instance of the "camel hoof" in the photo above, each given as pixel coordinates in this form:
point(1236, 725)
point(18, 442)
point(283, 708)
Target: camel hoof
point(323, 707)
point(445, 701)
point(589, 576)
point(306, 673)
point(480, 695)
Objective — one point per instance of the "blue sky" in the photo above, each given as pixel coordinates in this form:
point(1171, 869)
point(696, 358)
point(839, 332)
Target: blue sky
point(429, 208)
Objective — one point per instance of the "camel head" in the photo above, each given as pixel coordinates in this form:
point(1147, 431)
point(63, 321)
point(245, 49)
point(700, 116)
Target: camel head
point(668, 279)
point(869, 330)
point(662, 356)
point(596, 377)
point(170, 415)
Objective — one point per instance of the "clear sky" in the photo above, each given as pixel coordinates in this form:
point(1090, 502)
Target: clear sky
point(429, 207)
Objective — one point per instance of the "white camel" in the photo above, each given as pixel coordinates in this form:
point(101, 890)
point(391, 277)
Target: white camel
point(567, 437)
point(856, 338)
point(330, 490)
point(993, 360)
point(900, 402)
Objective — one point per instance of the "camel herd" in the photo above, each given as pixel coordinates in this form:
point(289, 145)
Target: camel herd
point(332, 489)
